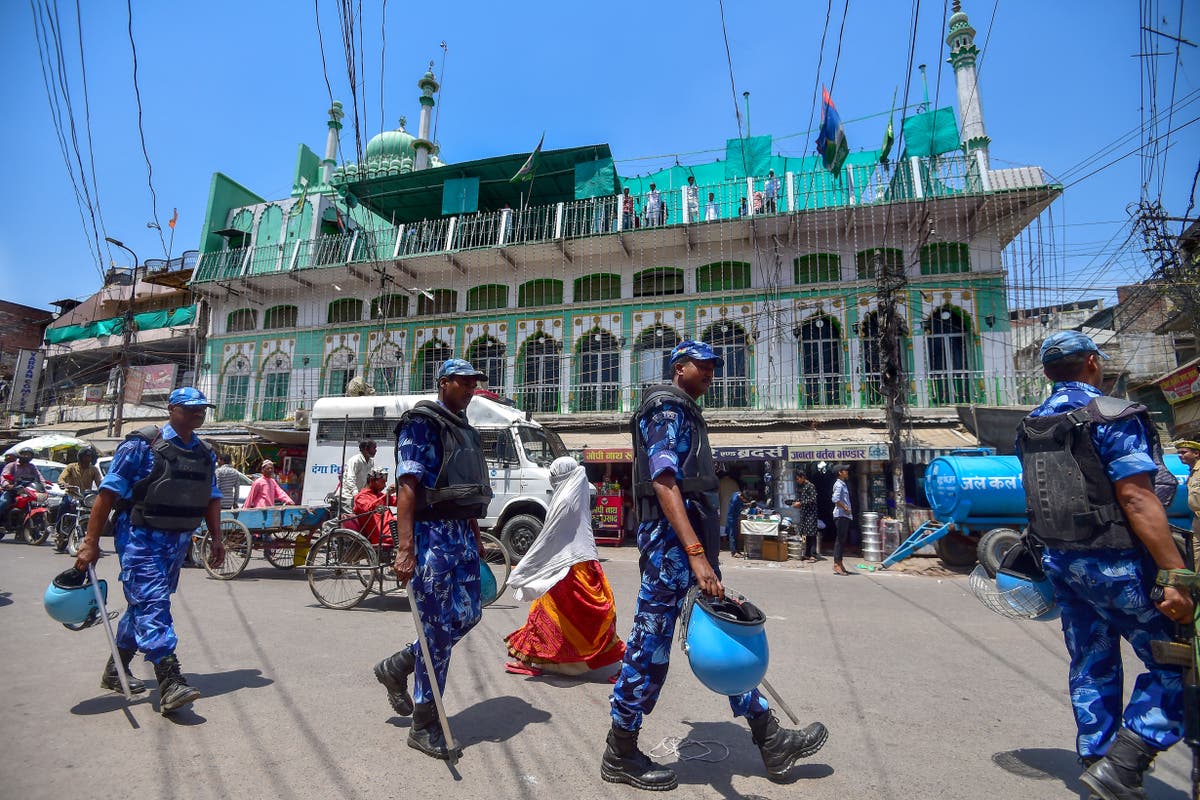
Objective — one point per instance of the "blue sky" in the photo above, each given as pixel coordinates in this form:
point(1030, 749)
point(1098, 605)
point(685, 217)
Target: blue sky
point(235, 86)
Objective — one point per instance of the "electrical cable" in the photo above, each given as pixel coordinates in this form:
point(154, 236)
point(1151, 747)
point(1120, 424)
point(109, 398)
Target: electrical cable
point(137, 94)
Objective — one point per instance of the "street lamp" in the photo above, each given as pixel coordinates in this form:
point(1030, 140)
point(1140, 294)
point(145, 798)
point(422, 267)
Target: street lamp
point(119, 399)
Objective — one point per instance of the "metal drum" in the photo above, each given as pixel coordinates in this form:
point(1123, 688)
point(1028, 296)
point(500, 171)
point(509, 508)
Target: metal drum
point(871, 544)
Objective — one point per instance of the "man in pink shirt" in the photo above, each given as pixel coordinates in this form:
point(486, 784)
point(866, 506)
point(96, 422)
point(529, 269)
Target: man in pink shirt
point(265, 491)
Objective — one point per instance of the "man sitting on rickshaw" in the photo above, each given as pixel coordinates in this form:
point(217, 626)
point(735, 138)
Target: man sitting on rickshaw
point(372, 508)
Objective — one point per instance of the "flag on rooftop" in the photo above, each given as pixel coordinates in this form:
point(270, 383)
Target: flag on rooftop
point(529, 168)
point(889, 135)
point(831, 138)
point(173, 220)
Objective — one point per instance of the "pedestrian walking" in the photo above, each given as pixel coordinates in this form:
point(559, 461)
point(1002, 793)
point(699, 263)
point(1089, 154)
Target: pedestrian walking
point(228, 480)
point(675, 488)
point(806, 523)
point(1090, 464)
point(842, 517)
point(442, 489)
point(733, 517)
point(162, 485)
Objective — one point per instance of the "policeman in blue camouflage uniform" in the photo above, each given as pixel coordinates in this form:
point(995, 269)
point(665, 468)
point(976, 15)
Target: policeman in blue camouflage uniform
point(675, 489)
point(443, 488)
point(1095, 488)
point(162, 483)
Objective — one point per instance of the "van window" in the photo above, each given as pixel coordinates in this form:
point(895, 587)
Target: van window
point(541, 446)
point(498, 447)
point(331, 431)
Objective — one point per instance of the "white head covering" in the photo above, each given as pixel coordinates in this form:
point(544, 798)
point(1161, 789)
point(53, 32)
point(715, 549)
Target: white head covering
point(566, 538)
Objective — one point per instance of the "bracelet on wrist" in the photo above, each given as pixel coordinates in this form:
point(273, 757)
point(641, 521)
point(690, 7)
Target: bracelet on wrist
point(696, 549)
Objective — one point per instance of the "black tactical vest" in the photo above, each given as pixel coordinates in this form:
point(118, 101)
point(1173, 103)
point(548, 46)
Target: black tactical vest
point(462, 489)
point(1071, 501)
point(176, 493)
point(699, 474)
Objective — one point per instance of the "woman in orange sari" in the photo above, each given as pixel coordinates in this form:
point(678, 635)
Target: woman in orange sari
point(571, 627)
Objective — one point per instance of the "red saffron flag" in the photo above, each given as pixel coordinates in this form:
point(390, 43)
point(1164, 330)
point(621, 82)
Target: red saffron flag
point(174, 219)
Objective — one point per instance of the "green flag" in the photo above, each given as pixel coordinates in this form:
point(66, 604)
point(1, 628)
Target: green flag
point(889, 136)
point(529, 168)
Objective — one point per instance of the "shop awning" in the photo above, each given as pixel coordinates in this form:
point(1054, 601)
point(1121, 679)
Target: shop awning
point(842, 444)
point(922, 445)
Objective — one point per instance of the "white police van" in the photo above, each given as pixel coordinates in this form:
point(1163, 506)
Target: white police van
point(518, 450)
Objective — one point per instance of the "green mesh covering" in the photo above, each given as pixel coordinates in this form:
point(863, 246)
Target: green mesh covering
point(595, 179)
point(749, 156)
point(146, 321)
point(931, 134)
point(460, 196)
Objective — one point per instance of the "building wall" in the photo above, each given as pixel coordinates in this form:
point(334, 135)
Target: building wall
point(22, 327)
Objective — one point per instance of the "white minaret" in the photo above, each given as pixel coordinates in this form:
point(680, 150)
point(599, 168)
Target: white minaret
point(422, 145)
point(963, 54)
point(331, 142)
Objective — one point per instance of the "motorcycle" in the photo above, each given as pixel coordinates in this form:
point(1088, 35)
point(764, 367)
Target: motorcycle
point(72, 524)
point(27, 514)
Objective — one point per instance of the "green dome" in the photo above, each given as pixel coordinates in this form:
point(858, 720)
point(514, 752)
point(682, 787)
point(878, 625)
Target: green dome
point(391, 144)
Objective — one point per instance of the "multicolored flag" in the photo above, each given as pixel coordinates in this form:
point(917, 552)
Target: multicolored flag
point(529, 168)
point(173, 220)
point(831, 138)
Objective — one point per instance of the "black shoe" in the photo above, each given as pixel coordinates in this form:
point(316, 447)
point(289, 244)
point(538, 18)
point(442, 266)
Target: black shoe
point(111, 681)
point(393, 673)
point(426, 733)
point(173, 690)
point(623, 762)
point(1118, 776)
point(781, 747)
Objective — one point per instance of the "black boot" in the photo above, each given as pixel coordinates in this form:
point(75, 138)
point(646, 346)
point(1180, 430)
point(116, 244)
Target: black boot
point(393, 673)
point(109, 680)
point(781, 747)
point(1118, 776)
point(173, 690)
point(623, 762)
point(426, 732)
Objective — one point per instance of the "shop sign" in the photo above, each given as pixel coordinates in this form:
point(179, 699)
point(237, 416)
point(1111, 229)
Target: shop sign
point(841, 452)
point(763, 452)
point(1181, 385)
point(607, 455)
point(608, 513)
point(158, 379)
point(22, 397)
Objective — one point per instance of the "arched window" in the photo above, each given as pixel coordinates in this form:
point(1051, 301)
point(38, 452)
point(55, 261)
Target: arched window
point(488, 296)
point(820, 341)
point(731, 384)
point(818, 268)
point(653, 355)
point(243, 319)
point(868, 263)
point(486, 354)
point(723, 276)
point(389, 306)
point(948, 349)
point(599, 371)
point(276, 380)
point(944, 258)
point(540, 292)
point(340, 367)
point(429, 358)
point(876, 365)
point(235, 388)
point(599, 286)
point(539, 372)
point(444, 301)
point(343, 310)
point(385, 368)
point(280, 317)
point(658, 281)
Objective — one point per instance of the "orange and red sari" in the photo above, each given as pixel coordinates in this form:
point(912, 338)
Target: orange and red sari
point(573, 627)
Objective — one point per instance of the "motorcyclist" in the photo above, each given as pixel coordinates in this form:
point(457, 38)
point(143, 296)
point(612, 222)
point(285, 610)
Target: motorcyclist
point(77, 478)
point(15, 473)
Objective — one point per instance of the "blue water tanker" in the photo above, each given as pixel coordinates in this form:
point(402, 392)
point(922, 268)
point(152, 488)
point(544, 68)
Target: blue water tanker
point(972, 491)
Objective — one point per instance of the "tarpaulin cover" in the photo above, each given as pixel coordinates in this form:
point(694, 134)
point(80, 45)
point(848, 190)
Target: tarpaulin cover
point(749, 156)
point(460, 196)
point(595, 179)
point(146, 321)
point(931, 134)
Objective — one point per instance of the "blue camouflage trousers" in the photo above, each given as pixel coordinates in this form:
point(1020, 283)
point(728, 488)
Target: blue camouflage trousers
point(150, 564)
point(445, 587)
point(1104, 596)
point(666, 578)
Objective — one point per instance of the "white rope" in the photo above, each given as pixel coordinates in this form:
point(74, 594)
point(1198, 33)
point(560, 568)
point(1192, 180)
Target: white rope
point(674, 746)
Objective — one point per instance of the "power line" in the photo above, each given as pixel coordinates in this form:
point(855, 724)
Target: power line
point(137, 94)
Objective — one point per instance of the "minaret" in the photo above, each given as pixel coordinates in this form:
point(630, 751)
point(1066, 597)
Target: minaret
point(331, 142)
point(963, 54)
point(422, 145)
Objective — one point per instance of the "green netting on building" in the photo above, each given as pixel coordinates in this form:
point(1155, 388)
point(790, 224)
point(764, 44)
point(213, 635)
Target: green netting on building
point(595, 178)
point(460, 196)
point(146, 321)
point(749, 156)
point(931, 134)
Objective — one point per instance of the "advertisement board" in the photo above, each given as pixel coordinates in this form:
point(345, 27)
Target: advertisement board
point(22, 398)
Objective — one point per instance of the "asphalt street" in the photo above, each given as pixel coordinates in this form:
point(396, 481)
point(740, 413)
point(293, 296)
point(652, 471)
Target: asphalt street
point(925, 693)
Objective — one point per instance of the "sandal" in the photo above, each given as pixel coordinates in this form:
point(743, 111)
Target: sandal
point(517, 668)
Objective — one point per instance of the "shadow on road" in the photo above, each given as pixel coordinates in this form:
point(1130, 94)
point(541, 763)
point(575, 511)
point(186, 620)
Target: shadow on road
point(743, 759)
point(210, 685)
point(1056, 764)
point(5, 599)
point(496, 719)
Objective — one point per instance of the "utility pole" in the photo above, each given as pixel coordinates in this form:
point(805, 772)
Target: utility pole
point(892, 281)
point(127, 326)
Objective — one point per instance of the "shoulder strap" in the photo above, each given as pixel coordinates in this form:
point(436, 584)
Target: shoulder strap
point(1112, 409)
point(148, 432)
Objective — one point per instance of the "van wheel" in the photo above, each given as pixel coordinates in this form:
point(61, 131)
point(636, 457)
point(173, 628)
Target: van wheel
point(519, 534)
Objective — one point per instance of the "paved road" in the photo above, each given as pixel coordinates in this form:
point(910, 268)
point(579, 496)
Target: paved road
point(925, 694)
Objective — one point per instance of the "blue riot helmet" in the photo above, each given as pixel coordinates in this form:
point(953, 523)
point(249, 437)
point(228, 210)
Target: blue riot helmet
point(1020, 589)
point(725, 641)
point(69, 599)
point(487, 584)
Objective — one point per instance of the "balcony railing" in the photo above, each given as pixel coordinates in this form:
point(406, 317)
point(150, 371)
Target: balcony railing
point(862, 184)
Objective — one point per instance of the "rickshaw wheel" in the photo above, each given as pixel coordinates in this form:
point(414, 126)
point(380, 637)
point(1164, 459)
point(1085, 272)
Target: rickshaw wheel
point(498, 559)
point(280, 550)
point(341, 569)
point(238, 543)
